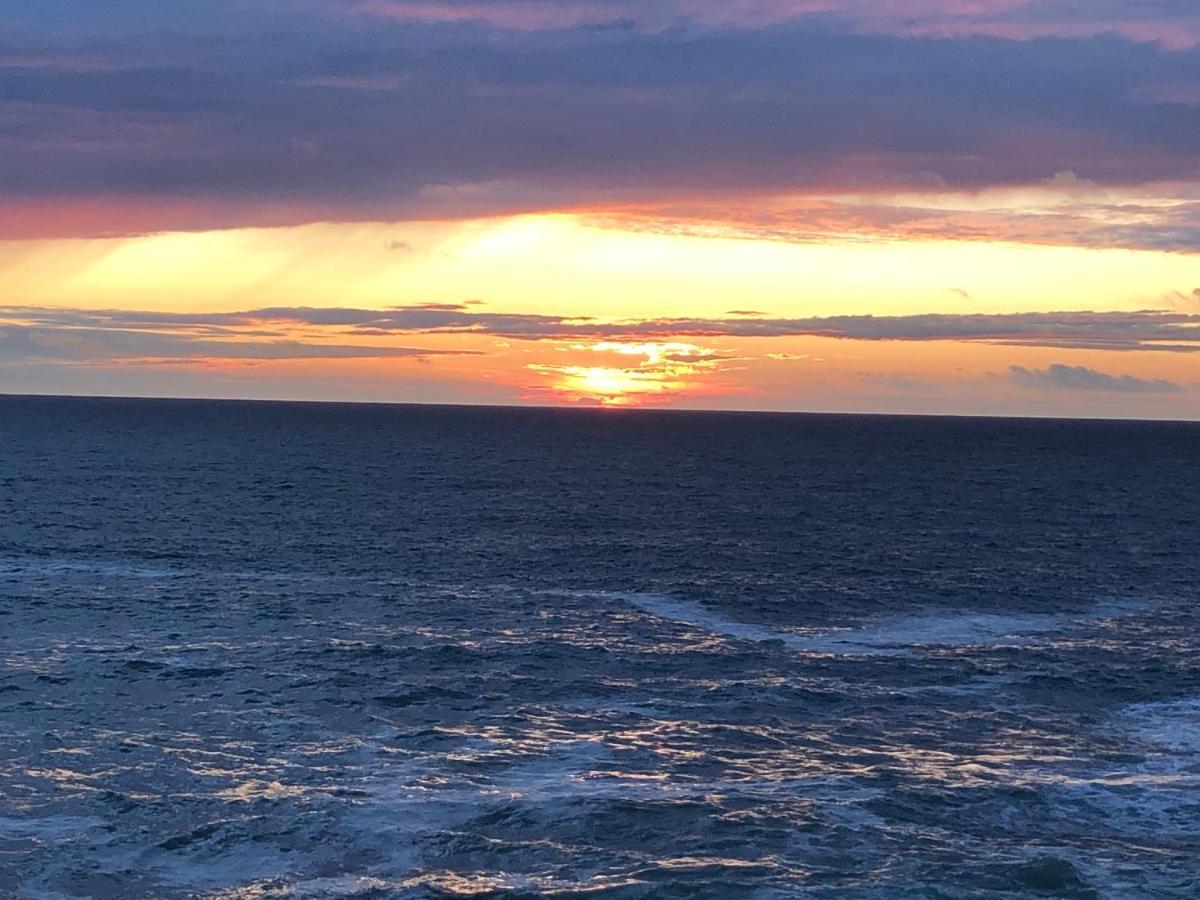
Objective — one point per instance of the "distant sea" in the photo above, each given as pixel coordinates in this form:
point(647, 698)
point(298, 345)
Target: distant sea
point(258, 650)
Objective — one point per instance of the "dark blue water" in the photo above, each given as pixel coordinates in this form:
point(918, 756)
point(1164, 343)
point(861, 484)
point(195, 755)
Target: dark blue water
point(292, 650)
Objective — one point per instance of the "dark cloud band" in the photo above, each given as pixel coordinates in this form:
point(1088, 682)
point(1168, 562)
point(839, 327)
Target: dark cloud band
point(355, 110)
point(227, 333)
point(1081, 378)
point(56, 341)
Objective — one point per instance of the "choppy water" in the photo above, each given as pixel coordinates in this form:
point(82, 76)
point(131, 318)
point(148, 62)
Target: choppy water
point(257, 650)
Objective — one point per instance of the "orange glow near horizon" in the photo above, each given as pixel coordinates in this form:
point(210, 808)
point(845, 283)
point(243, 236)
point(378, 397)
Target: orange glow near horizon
point(652, 373)
point(574, 266)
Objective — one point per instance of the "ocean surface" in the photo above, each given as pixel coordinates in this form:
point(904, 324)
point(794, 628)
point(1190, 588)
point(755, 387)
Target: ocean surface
point(255, 650)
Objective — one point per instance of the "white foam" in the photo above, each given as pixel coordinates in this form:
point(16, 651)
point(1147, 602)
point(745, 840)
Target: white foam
point(337, 886)
point(1151, 800)
point(690, 613)
point(46, 827)
point(888, 636)
point(59, 567)
point(1173, 726)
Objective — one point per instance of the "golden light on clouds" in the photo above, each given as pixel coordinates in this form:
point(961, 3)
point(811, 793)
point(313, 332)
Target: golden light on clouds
point(578, 265)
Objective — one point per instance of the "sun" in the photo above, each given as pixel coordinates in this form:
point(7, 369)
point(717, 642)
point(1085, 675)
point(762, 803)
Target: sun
point(655, 372)
point(615, 387)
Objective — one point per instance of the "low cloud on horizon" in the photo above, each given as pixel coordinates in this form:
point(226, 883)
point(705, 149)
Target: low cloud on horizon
point(1081, 378)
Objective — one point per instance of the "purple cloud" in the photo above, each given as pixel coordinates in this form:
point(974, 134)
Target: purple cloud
point(1080, 378)
point(327, 111)
point(1163, 331)
point(80, 343)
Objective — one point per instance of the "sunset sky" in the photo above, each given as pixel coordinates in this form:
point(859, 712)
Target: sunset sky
point(927, 206)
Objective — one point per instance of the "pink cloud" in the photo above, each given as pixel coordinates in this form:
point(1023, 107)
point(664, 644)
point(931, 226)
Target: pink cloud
point(1006, 19)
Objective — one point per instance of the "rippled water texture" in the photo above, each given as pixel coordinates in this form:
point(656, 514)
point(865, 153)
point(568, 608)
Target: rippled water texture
point(256, 650)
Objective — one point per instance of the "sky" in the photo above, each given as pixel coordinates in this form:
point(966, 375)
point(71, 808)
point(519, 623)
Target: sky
point(983, 207)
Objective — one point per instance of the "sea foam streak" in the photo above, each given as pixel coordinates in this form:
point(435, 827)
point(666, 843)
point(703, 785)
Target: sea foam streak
point(1173, 726)
point(894, 635)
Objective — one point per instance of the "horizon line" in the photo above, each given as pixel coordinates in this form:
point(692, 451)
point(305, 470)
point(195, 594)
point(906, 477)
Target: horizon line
point(599, 408)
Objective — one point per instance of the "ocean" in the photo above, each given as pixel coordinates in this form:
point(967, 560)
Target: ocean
point(258, 650)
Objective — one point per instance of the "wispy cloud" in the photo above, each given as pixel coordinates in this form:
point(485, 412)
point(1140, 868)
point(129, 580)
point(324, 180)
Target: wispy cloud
point(1009, 19)
point(1063, 210)
point(1188, 301)
point(1061, 377)
point(62, 342)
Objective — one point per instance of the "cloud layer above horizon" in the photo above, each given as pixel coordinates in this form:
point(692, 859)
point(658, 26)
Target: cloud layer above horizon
point(198, 115)
point(1171, 332)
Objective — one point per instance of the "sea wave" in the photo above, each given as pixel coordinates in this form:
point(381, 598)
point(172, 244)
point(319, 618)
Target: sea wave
point(885, 636)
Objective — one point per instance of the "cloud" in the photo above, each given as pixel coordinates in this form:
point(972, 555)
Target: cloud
point(1169, 23)
point(1185, 301)
point(322, 110)
point(1080, 378)
point(1061, 212)
point(1159, 330)
point(903, 383)
point(73, 343)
